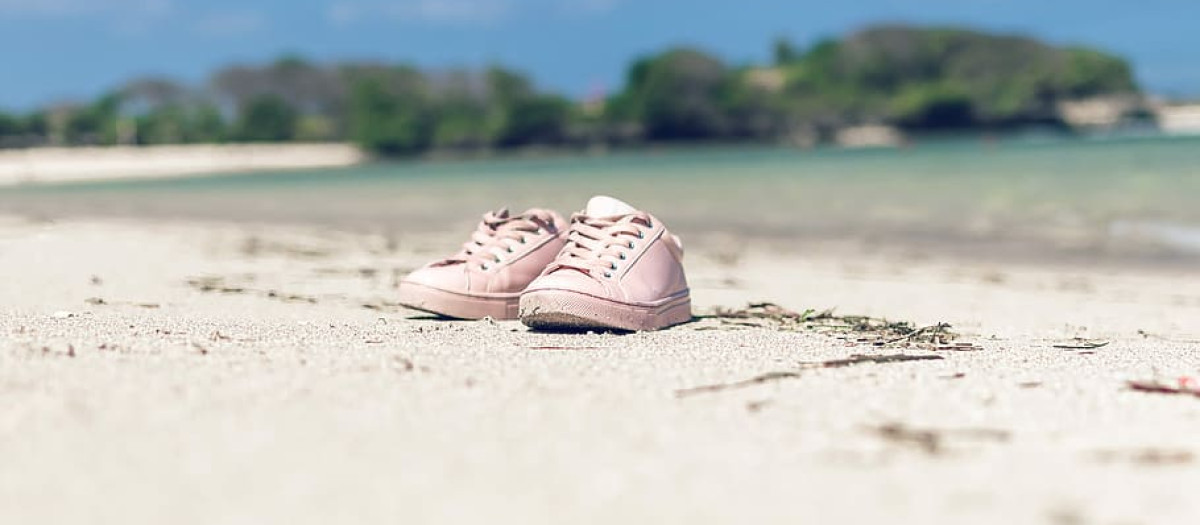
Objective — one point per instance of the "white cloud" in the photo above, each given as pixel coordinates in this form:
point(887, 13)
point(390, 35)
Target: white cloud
point(230, 23)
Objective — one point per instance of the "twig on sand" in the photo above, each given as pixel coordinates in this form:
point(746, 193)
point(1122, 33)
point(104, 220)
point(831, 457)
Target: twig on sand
point(756, 380)
point(858, 359)
point(217, 284)
point(795, 374)
point(100, 301)
point(931, 441)
point(1186, 385)
point(958, 347)
point(927, 441)
point(1080, 343)
point(1152, 457)
point(1149, 335)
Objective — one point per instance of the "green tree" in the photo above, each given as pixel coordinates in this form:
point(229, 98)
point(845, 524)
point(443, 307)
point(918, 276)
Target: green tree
point(10, 125)
point(945, 77)
point(206, 125)
point(785, 52)
point(540, 119)
point(387, 120)
point(506, 87)
point(162, 125)
point(1089, 72)
point(37, 124)
point(933, 106)
point(461, 125)
point(267, 118)
point(516, 114)
point(95, 123)
point(677, 95)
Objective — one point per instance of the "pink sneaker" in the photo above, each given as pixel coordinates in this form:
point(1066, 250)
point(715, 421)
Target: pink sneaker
point(487, 276)
point(621, 269)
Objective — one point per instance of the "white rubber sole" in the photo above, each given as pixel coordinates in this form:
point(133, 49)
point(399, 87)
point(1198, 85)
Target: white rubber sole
point(566, 310)
point(456, 305)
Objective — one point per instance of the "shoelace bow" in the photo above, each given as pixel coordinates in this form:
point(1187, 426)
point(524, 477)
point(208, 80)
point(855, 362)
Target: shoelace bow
point(498, 235)
point(598, 246)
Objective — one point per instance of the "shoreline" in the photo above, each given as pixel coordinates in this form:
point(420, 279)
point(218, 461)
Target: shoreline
point(85, 164)
point(1145, 256)
point(976, 217)
point(113, 163)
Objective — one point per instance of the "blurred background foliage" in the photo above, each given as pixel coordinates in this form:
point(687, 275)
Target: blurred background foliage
point(917, 79)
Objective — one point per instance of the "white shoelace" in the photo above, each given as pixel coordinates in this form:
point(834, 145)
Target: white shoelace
point(599, 246)
point(498, 236)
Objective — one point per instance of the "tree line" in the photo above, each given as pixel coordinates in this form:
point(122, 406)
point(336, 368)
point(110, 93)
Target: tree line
point(912, 78)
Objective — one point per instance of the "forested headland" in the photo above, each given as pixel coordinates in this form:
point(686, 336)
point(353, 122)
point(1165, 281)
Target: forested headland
point(914, 79)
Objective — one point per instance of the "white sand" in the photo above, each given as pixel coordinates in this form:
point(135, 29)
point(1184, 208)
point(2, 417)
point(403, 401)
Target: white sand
point(253, 407)
point(51, 165)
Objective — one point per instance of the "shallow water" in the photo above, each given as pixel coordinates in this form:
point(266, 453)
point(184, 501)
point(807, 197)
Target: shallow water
point(1105, 199)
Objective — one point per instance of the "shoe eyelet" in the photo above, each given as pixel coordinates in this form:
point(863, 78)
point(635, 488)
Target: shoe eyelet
point(631, 245)
point(523, 240)
point(622, 256)
point(612, 266)
point(608, 275)
point(641, 234)
point(650, 224)
point(483, 267)
point(510, 250)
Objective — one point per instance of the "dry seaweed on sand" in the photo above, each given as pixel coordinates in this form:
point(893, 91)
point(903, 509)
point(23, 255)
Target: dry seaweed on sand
point(854, 329)
point(855, 359)
point(213, 283)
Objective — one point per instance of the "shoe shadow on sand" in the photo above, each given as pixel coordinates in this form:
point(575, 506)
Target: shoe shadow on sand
point(583, 329)
point(429, 317)
point(559, 329)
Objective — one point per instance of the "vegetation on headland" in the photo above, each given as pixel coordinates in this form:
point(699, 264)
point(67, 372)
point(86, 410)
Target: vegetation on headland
point(911, 78)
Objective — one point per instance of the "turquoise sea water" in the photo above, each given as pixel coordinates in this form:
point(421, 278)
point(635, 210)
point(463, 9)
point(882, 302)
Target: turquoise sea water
point(1130, 198)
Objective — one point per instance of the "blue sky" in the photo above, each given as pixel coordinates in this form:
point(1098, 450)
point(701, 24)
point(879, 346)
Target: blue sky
point(54, 50)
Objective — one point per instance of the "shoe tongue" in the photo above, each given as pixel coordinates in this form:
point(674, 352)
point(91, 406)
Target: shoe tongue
point(601, 206)
point(501, 213)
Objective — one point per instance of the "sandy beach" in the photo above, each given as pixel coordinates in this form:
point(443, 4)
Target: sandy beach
point(207, 372)
point(82, 164)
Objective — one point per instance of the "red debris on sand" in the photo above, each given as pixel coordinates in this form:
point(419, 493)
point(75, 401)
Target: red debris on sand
point(1185, 385)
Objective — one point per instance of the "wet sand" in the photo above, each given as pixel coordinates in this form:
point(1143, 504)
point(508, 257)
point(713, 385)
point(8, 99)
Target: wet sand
point(186, 372)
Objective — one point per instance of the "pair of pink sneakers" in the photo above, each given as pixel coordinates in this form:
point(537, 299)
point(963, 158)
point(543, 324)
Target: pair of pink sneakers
point(611, 267)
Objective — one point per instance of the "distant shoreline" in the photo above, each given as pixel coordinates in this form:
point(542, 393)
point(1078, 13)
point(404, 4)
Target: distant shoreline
point(64, 165)
point(61, 165)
